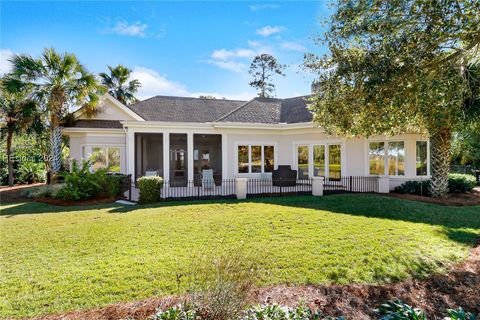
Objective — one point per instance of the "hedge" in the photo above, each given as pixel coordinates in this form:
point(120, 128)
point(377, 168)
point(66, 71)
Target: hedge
point(150, 188)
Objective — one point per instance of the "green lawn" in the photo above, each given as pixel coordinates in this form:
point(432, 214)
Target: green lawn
point(55, 259)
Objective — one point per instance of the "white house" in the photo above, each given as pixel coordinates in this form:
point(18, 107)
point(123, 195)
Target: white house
point(178, 137)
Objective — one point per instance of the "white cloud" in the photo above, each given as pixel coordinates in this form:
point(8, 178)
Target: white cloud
point(136, 29)
point(5, 64)
point(263, 6)
point(230, 65)
point(154, 83)
point(293, 46)
point(237, 60)
point(269, 30)
point(224, 54)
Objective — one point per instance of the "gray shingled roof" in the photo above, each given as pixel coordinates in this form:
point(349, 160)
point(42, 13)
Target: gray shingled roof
point(271, 111)
point(103, 124)
point(182, 109)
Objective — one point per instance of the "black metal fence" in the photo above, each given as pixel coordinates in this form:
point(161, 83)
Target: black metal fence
point(278, 188)
point(199, 190)
point(351, 184)
point(227, 188)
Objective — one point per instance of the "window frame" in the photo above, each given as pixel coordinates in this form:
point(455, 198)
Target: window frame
point(385, 156)
point(87, 151)
point(262, 146)
point(310, 144)
point(428, 157)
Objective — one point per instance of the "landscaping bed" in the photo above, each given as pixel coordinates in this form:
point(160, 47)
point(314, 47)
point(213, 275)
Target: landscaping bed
point(457, 288)
point(84, 202)
point(17, 192)
point(452, 199)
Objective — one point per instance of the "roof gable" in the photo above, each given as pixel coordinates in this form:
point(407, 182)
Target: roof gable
point(110, 109)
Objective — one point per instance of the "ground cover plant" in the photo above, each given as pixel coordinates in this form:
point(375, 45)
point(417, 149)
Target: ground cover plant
point(55, 259)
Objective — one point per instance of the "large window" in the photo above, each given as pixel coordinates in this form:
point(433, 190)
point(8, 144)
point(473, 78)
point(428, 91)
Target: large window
point(243, 162)
point(389, 160)
point(376, 156)
point(105, 158)
point(255, 158)
point(268, 158)
point(421, 158)
point(396, 158)
point(319, 161)
point(302, 162)
point(334, 161)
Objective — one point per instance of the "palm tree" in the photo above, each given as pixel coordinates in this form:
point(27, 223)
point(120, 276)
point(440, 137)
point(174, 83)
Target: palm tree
point(60, 83)
point(118, 84)
point(17, 111)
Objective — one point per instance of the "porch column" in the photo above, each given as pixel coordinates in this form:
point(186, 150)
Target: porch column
point(190, 156)
point(130, 153)
point(166, 156)
point(225, 157)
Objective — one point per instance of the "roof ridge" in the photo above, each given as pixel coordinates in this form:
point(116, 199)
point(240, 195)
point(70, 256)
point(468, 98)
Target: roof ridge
point(193, 98)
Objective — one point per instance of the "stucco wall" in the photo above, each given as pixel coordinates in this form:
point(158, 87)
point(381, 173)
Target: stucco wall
point(80, 140)
point(107, 110)
point(354, 151)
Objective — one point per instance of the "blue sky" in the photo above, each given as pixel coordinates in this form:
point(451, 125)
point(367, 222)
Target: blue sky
point(174, 48)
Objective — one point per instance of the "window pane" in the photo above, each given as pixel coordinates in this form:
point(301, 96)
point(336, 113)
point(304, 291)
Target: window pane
point(113, 160)
point(422, 158)
point(243, 159)
point(98, 158)
point(268, 152)
point(319, 161)
point(376, 155)
point(396, 158)
point(302, 152)
point(256, 159)
point(334, 161)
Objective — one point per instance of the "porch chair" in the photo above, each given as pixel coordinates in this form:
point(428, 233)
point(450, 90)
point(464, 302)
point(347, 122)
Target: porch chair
point(284, 176)
point(151, 173)
point(207, 179)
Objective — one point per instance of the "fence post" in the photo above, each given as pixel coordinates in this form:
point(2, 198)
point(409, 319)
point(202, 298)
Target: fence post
point(383, 184)
point(317, 186)
point(241, 188)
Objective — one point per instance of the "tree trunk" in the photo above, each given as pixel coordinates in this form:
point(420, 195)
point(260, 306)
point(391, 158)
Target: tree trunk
point(9, 157)
point(56, 148)
point(440, 141)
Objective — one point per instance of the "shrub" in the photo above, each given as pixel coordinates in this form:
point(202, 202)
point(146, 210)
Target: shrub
point(397, 310)
point(31, 172)
point(221, 281)
point(277, 312)
point(47, 191)
point(421, 188)
point(81, 184)
point(175, 313)
point(458, 182)
point(150, 188)
point(460, 314)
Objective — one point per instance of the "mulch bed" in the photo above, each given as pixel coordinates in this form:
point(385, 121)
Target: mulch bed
point(459, 287)
point(15, 193)
point(67, 203)
point(452, 199)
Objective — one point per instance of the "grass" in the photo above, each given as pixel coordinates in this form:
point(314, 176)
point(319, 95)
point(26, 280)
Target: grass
point(55, 259)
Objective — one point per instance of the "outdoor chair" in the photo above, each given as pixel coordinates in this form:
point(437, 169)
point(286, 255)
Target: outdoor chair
point(284, 176)
point(207, 179)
